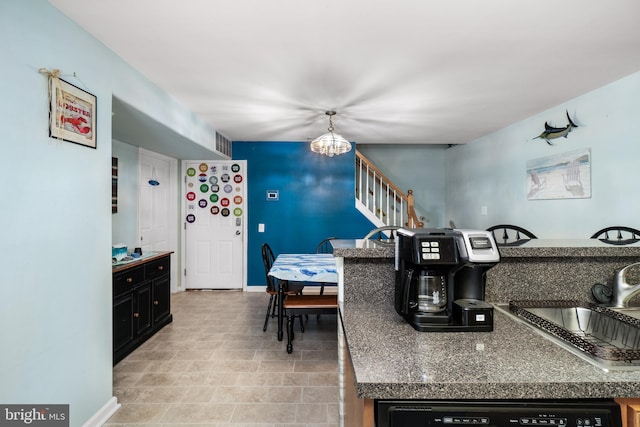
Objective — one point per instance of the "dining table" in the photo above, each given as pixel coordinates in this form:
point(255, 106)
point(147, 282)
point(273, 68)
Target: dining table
point(312, 268)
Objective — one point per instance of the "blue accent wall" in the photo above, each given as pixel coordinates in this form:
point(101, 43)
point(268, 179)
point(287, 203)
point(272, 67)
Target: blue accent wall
point(316, 199)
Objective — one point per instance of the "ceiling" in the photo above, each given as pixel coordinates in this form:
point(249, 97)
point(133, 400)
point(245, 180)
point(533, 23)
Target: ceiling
point(404, 72)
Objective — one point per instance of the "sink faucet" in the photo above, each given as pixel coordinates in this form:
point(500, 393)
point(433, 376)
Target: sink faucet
point(622, 290)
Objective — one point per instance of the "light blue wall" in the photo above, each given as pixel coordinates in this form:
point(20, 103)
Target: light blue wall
point(414, 167)
point(125, 221)
point(491, 171)
point(455, 183)
point(55, 313)
point(55, 295)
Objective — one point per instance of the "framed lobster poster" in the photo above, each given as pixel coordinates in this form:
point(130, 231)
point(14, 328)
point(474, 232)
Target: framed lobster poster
point(72, 113)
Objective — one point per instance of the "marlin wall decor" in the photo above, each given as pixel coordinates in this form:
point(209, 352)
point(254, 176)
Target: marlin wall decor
point(551, 132)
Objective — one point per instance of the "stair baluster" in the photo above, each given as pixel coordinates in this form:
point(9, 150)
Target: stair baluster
point(380, 200)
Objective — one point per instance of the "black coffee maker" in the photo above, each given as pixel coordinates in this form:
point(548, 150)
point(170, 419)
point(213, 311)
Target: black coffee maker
point(440, 279)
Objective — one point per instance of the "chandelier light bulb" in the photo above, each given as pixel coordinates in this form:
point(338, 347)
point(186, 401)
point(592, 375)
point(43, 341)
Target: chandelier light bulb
point(330, 144)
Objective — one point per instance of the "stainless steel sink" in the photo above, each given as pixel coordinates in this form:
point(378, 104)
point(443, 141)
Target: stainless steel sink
point(629, 311)
point(609, 338)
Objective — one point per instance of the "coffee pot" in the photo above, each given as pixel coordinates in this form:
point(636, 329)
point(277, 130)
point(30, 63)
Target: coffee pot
point(440, 278)
point(432, 292)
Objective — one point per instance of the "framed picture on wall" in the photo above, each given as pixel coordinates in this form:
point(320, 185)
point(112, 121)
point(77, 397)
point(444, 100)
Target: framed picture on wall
point(72, 113)
point(561, 176)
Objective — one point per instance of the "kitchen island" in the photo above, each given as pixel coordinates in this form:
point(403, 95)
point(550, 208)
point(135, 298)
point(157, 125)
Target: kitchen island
point(388, 359)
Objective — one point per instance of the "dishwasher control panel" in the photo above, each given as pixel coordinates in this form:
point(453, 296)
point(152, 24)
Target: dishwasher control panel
point(507, 413)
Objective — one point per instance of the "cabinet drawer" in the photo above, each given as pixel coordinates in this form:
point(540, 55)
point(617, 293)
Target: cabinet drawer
point(156, 268)
point(127, 279)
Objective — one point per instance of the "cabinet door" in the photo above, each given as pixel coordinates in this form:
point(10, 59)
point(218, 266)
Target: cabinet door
point(633, 415)
point(142, 312)
point(161, 298)
point(123, 332)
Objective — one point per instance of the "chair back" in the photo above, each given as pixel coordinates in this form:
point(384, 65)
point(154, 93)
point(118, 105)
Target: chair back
point(388, 231)
point(325, 247)
point(510, 235)
point(267, 260)
point(617, 235)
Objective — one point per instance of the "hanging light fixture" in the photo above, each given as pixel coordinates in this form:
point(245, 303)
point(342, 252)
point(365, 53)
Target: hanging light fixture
point(330, 144)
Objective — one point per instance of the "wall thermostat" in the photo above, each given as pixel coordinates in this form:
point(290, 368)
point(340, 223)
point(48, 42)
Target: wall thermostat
point(272, 195)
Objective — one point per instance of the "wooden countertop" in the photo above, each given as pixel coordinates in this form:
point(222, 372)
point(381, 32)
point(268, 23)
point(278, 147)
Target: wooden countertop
point(140, 261)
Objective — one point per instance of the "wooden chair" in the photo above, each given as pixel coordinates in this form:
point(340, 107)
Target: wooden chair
point(511, 235)
point(273, 285)
point(623, 235)
point(324, 247)
point(297, 305)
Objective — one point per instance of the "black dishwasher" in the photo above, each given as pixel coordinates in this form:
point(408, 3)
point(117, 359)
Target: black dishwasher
point(498, 413)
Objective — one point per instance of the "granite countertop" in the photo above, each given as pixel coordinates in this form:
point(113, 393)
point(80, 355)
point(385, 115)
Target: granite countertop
point(544, 248)
point(393, 361)
point(538, 248)
point(361, 248)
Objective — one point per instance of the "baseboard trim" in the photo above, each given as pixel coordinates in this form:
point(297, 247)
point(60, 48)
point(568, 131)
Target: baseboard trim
point(101, 417)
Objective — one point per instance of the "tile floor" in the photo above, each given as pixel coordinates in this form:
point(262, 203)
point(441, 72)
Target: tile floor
point(213, 366)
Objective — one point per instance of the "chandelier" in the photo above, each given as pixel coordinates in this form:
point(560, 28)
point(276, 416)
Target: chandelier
point(330, 144)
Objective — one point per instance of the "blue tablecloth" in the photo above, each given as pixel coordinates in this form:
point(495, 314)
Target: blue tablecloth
point(305, 268)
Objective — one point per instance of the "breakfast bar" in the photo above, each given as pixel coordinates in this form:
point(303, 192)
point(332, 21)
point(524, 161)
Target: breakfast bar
point(387, 359)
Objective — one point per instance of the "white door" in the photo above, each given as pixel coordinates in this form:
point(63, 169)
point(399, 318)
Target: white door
point(157, 207)
point(215, 224)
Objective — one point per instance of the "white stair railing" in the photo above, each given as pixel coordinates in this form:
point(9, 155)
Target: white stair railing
point(384, 202)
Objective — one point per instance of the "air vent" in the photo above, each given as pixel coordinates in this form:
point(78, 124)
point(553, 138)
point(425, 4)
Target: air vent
point(223, 145)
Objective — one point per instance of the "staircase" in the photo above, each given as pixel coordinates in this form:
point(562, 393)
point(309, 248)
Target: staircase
point(380, 200)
